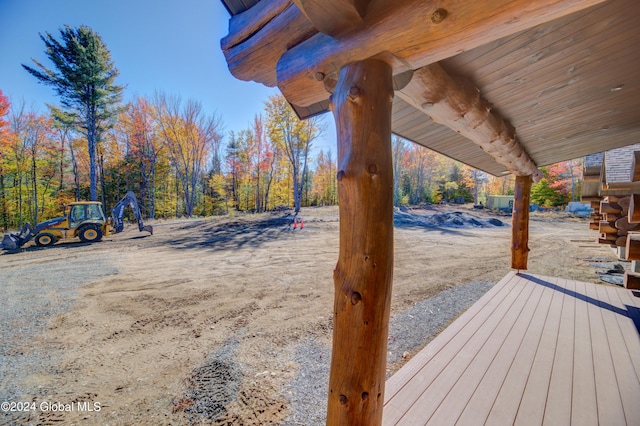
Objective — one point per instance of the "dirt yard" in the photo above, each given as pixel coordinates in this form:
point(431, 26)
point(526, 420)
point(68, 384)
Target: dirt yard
point(198, 324)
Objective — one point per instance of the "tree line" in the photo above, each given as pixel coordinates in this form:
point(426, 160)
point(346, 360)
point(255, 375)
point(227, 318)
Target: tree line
point(178, 160)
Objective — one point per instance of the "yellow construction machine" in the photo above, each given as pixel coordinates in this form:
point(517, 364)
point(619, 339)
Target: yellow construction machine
point(84, 219)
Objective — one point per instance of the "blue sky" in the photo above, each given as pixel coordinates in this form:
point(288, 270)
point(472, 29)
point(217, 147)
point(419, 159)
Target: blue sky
point(167, 45)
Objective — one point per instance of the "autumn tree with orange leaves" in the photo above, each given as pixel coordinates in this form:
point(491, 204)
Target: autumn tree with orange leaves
point(4, 143)
point(139, 132)
point(294, 137)
point(189, 135)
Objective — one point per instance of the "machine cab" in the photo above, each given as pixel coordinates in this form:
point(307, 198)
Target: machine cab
point(86, 211)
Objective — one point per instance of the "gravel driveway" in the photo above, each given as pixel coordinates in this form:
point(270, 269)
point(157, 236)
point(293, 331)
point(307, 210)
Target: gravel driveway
point(30, 295)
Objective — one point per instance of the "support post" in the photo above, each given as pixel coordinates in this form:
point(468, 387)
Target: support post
point(520, 222)
point(361, 104)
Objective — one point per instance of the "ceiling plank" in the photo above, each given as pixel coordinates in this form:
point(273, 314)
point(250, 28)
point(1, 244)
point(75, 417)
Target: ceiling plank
point(414, 33)
point(333, 17)
point(456, 103)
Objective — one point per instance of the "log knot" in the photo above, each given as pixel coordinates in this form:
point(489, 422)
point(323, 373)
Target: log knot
point(344, 400)
point(354, 93)
point(439, 15)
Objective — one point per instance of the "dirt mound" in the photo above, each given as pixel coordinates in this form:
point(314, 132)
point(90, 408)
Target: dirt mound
point(455, 219)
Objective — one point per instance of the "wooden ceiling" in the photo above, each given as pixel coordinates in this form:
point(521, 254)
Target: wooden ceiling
point(570, 87)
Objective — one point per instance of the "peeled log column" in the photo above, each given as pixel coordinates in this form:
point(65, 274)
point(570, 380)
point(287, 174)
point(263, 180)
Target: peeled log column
point(520, 231)
point(361, 105)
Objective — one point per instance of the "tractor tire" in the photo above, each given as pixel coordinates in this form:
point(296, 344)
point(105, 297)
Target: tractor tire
point(45, 239)
point(90, 234)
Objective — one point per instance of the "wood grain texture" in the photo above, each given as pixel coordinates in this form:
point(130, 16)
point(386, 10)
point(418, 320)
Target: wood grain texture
point(634, 209)
point(549, 351)
point(244, 25)
point(635, 167)
point(520, 221)
point(361, 106)
point(333, 17)
point(416, 33)
point(607, 228)
point(632, 251)
point(255, 57)
point(457, 103)
point(631, 281)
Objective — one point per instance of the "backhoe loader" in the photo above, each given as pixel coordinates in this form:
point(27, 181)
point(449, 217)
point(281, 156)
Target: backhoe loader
point(84, 219)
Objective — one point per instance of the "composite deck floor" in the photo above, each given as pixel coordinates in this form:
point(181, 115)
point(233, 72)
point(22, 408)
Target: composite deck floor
point(534, 350)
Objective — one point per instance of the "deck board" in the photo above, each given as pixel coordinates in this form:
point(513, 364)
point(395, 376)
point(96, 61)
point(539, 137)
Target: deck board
point(534, 350)
point(584, 409)
point(459, 360)
point(558, 407)
point(479, 406)
point(534, 398)
point(414, 377)
point(505, 336)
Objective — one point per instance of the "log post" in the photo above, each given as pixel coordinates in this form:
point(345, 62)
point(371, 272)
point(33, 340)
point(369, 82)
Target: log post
point(520, 220)
point(361, 104)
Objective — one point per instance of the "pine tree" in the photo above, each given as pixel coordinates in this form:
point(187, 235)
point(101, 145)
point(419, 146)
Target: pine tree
point(84, 79)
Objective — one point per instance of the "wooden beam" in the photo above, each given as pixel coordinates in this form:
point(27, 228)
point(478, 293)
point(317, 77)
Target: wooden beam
point(520, 221)
point(410, 34)
point(620, 189)
point(591, 199)
point(610, 207)
point(333, 17)
point(591, 178)
point(632, 251)
point(607, 228)
point(623, 224)
point(635, 167)
point(624, 204)
point(609, 238)
point(244, 25)
point(634, 209)
point(456, 103)
point(631, 281)
point(361, 105)
point(252, 51)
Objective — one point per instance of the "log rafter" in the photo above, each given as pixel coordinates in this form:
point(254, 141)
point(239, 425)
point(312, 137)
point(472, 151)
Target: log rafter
point(333, 17)
point(456, 103)
point(278, 42)
point(414, 33)
point(409, 34)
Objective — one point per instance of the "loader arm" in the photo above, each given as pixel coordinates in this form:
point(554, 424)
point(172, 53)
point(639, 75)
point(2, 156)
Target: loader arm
point(117, 213)
point(18, 239)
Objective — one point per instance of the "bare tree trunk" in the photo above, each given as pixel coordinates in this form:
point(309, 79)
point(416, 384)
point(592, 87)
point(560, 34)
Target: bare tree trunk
point(92, 144)
point(3, 202)
point(34, 177)
point(76, 171)
point(63, 138)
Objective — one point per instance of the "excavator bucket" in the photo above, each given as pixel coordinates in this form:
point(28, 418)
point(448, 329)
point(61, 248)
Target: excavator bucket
point(9, 242)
